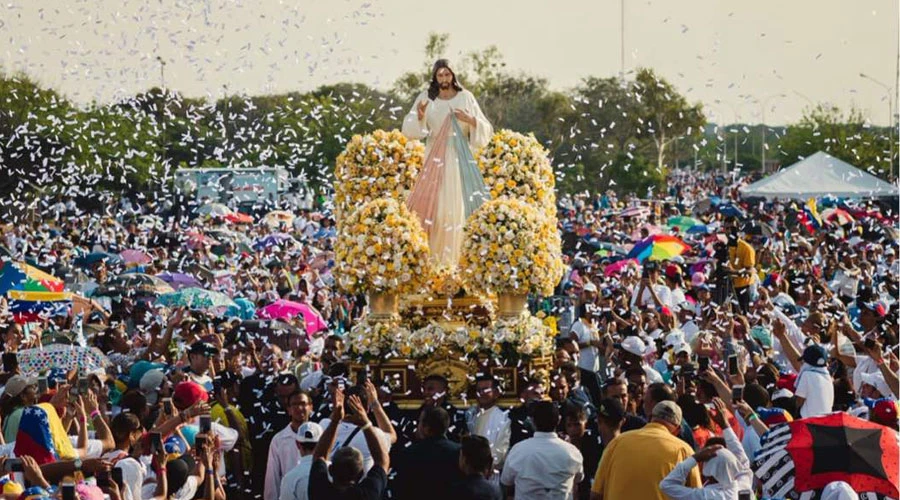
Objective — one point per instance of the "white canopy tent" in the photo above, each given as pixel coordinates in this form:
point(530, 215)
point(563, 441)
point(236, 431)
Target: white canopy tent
point(820, 175)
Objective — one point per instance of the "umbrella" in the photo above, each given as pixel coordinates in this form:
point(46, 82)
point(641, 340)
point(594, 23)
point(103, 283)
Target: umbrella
point(683, 222)
point(805, 455)
point(635, 212)
point(21, 276)
point(729, 210)
point(196, 239)
point(286, 309)
point(239, 218)
point(703, 206)
point(195, 298)
point(280, 333)
point(758, 229)
point(278, 217)
point(243, 308)
point(214, 210)
point(179, 280)
point(604, 249)
point(658, 247)
point(134, 284)
point(67, 357)
point(272, 240)
point(87, 261)
point(699, 229)
point(838, 215)
point(138, 257)
point(617, 267)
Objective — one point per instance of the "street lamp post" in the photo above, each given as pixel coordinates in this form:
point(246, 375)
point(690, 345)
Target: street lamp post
point(890, 96)
point(762, 155)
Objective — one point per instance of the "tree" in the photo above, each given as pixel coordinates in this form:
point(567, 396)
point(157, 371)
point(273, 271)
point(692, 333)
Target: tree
point(663, 114)
point(844, 135)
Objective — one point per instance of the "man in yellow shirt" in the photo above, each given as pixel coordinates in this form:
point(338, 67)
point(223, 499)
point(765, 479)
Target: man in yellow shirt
point(635, 462)
point(742, 266)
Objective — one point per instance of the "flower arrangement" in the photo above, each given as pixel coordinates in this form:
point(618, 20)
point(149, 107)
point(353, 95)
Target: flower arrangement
point(372, 340)
point(510, 248)
point(524, 337)
point(444, 281)
point(381, 248)
point(517, 166)
point(378, 165)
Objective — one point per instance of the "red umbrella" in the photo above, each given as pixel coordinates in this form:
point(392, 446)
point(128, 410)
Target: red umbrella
point(806, 455)
point(239, 218)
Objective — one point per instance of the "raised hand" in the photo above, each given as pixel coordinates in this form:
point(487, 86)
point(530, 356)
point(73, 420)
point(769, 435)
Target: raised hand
point(420, 109)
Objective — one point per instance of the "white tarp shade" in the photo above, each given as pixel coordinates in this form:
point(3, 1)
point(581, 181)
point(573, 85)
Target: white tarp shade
point(820, 175)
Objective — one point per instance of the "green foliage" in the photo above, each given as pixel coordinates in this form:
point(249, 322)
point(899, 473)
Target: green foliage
point(844, 135)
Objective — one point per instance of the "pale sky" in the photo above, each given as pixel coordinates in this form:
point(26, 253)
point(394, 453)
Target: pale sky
point(729, 55)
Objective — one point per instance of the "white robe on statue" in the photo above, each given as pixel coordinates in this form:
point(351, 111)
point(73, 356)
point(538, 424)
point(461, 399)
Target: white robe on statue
point(445, 231)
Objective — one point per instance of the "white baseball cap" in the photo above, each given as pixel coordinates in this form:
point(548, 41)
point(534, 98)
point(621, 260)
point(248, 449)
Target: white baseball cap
point(634, 345)
point(309, 432)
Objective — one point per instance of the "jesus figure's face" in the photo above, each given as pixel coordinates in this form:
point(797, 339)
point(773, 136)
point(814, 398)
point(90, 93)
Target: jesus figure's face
point(444, 78)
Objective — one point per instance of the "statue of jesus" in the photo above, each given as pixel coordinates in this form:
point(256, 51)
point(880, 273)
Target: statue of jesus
point(450, 186)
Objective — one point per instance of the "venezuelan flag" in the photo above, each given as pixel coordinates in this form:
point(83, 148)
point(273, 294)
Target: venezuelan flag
point(21, 276)
point(41, 435)
point(34, 306)
point(809, 216)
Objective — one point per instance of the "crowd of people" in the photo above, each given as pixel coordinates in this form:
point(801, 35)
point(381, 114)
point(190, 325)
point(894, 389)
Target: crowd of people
point(667, 374)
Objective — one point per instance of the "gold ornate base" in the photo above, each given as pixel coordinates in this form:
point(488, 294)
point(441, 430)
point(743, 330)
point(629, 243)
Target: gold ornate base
point(405, 376)
point(417, 311)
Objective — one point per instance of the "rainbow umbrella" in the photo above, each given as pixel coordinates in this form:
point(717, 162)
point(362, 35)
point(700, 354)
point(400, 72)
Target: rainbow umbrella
point(21, 276)
point(658, 247)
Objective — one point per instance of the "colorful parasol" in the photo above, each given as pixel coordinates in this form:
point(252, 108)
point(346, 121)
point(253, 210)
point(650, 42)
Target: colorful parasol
point(287, 309)
point(683, 222)
point(35, 306)
point(658, 247)
point(87, 261)
point(134, 256)
point(195, 298)
point(617, 267)
point(21, 276)
point(239, 218)
point(278, 217)
point(272, 240)
point(214, 210)
point(179, 280)
point(67, 357)
point(800, 458)
point(635, 212)
point(134, 284)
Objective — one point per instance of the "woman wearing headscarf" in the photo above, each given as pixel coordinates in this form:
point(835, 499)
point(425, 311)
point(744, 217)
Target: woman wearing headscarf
point(726, 470)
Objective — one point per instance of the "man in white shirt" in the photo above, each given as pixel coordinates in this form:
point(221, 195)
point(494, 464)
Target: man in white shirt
point(584, 330)
point(295, 484)
point(544, 466)
point(814, 386)
point(349, 433)
point(283, 451)
point(488, 420)
point(650, 292)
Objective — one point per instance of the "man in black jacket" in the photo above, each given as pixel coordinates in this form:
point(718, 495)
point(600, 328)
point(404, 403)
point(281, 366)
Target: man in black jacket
point(430, 464)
